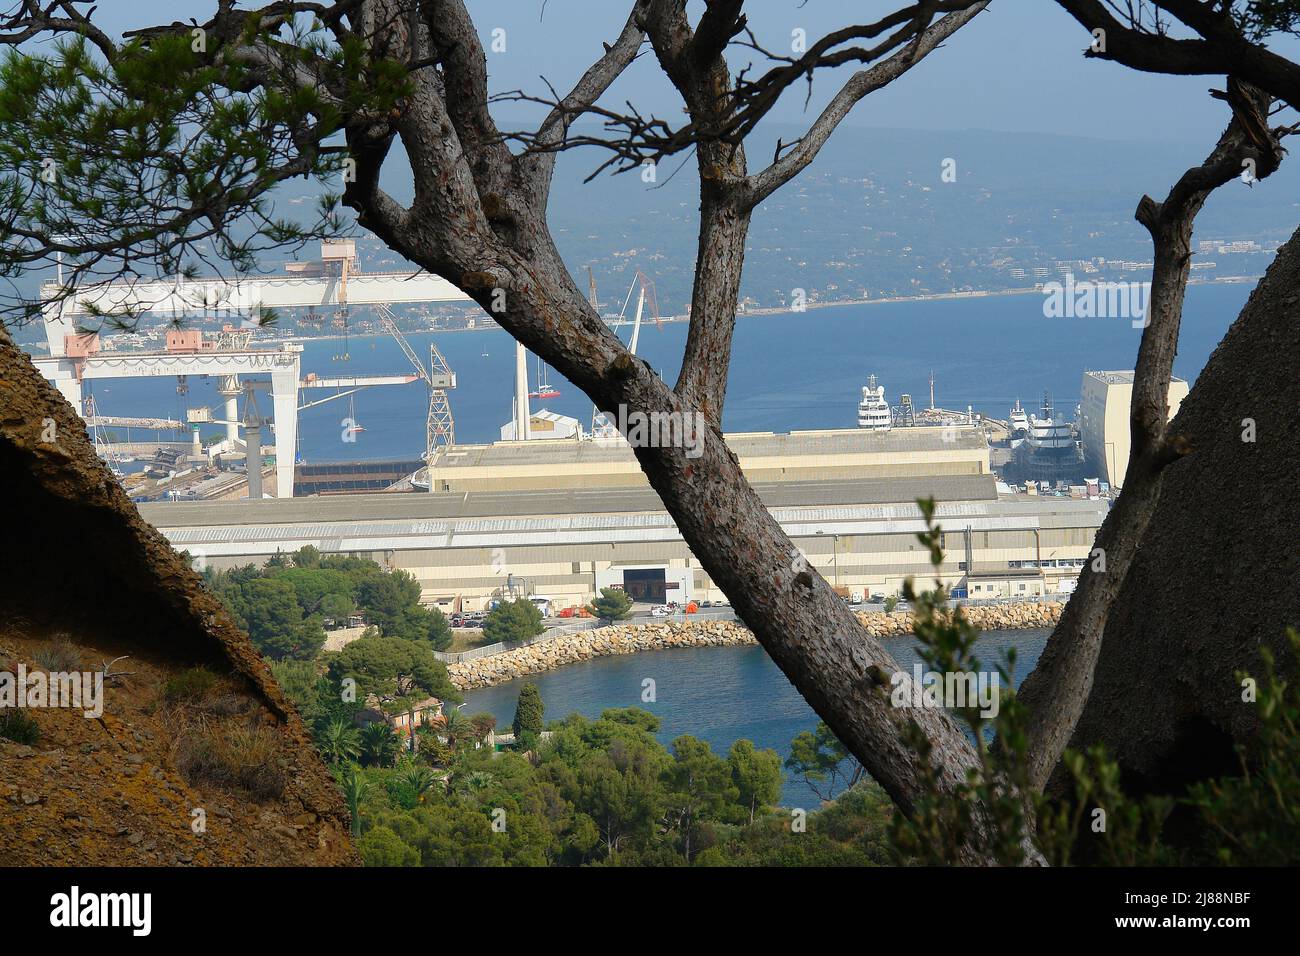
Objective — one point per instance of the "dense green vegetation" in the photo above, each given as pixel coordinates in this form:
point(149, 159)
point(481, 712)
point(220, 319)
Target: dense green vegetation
point(602, 791)
point(284, 605)
point(607, 792)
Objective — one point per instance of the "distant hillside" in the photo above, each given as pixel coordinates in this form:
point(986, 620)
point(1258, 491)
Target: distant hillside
point(872, 217)
point(873, 214)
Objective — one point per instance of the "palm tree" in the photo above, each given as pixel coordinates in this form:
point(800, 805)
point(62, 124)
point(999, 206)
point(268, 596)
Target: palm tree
point(355, 788)
point(338, 741)
point(455, 726)
point(379, 745)
point(472, 781)
point(418, 779)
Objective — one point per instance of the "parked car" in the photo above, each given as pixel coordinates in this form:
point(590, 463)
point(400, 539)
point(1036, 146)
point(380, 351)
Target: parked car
point(659, 612)
point(456, 620)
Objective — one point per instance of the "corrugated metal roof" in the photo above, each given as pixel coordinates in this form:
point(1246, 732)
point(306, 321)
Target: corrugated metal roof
point(619, 528)
point(745, 445)
point(453, 505)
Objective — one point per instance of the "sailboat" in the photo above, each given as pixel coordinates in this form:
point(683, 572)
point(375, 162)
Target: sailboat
point(352, 417)
point(544, 389)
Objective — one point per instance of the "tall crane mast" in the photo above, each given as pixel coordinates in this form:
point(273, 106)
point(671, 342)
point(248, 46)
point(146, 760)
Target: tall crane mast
point(643, 285)
point(440, 426)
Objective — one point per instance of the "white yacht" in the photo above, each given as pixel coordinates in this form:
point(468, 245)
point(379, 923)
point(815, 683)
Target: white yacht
point(1019, 421)
point(1050, 433)
point(1050, 451)
point(873, 410)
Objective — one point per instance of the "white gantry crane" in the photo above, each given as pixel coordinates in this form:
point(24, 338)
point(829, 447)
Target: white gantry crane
point(332, 281)
point(440, 429)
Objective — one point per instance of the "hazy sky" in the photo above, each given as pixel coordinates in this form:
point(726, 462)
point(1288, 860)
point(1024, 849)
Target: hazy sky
point(1018, 66)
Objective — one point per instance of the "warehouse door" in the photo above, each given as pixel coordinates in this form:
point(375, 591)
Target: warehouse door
point(646, 585)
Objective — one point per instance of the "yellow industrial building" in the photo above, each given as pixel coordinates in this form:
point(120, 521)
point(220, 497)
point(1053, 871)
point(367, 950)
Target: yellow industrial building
point(561, 519)
point(764, 456)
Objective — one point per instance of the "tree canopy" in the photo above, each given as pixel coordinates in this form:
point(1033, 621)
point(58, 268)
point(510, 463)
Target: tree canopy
point(511, 621)
point(528, 711)
point(393, 667)
point(333, 587)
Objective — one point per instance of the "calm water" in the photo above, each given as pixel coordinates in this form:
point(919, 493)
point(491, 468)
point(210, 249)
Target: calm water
point(719, 694)
point(788, 371)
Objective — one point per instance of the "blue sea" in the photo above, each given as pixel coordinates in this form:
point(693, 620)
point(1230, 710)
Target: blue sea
point(718, 694)
point(788, 372)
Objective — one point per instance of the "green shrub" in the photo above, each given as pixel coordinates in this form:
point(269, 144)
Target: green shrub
point(19, 726)
point(190, 686)
point(1254, 819)
point(528, 712)
point(612, 605)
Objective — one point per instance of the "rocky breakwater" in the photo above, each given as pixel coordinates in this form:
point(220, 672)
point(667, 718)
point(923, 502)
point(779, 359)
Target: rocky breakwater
point(631, 638)
point(992, 617)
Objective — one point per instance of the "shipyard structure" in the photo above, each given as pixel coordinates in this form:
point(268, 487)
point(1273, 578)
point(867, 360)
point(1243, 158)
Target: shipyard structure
point(1107, 398)
point(561, 519)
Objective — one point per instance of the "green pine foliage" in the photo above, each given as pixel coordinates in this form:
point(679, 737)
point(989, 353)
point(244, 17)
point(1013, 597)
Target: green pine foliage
point(606, 792)
point(512, 621)
point(284, 605)
point(612, 605)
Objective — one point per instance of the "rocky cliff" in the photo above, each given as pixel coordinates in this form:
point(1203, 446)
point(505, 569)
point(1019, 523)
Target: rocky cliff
point(197, 757)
